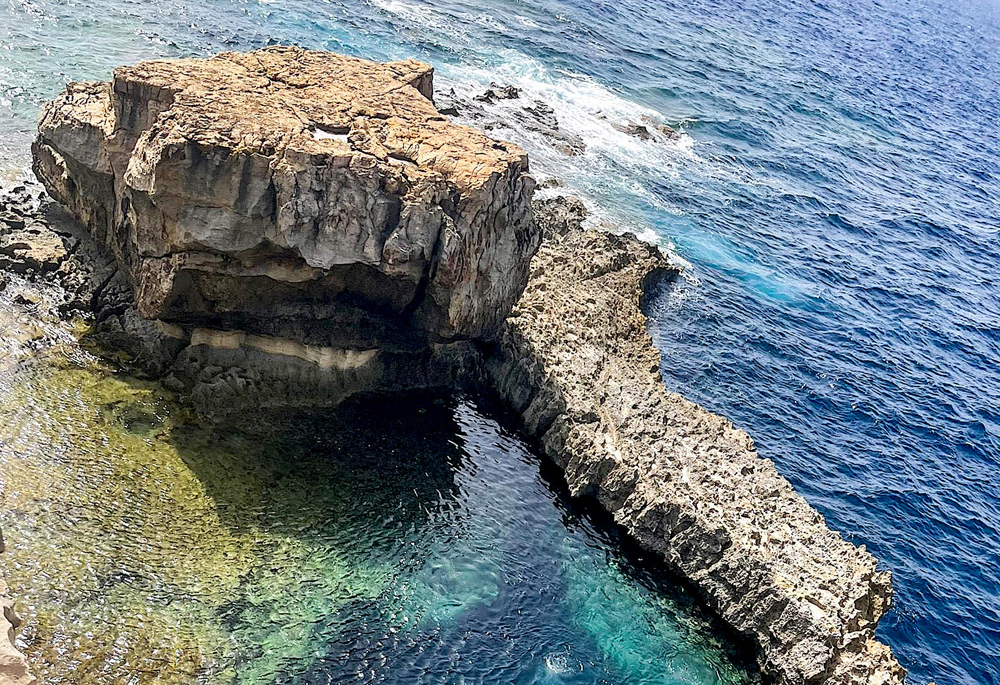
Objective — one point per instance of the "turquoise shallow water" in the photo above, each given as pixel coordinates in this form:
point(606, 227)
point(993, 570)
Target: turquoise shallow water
point(835, 193)
point(405, 539)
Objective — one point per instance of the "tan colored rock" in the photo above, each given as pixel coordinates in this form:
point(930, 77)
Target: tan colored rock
point(292, 183)
point(13, 665)
point(577, 364)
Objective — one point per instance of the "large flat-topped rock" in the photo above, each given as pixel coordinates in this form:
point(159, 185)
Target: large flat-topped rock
point(287, 184)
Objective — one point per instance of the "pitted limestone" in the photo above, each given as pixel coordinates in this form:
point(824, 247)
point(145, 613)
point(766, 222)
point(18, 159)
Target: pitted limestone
point(577, 364)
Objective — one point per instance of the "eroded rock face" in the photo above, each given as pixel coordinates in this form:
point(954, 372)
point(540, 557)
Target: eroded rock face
point(578, 365)
point(575, 361)
point(558, 215)
point(293, 185)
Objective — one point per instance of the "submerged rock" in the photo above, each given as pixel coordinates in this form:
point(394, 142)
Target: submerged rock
point(633, 129)
point(539, 117)
point(295, 184)
point(649, 130)
point(13, 665)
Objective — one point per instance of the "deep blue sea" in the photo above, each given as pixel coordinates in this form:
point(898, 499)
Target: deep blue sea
point(835, 195)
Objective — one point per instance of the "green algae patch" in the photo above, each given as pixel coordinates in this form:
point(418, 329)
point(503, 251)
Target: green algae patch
point(139, 537)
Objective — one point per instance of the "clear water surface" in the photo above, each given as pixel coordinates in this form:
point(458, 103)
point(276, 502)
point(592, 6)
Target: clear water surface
point(395, 540)
point(836, 194)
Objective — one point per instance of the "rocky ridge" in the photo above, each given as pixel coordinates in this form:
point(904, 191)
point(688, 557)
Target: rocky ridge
point(576, 363)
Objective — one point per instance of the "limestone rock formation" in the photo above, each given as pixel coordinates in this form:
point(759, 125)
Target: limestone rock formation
point(13, 665)
point(305, 217)
point(575, 361)
point(558, 215)
point(297, 186)
point(577, 364)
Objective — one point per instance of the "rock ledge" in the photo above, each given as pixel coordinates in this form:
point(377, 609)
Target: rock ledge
point(576, 363)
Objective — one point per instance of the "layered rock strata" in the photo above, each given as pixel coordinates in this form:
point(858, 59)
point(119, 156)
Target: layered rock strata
point(292, 186)
point(576, 363)
point(221, 371)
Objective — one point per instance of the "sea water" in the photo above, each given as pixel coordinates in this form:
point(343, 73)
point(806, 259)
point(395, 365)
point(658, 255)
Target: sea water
point(395, 539)
point(834, 192)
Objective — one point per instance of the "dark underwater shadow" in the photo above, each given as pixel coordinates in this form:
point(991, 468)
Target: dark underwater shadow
point(371, 562)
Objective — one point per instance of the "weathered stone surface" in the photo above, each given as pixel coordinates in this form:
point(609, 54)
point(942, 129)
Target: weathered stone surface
point(502, 107)
point(577, 364)
point(558, 215)
point(13, 666)
point(293, 184)
point(497, 92)
point(286, 362)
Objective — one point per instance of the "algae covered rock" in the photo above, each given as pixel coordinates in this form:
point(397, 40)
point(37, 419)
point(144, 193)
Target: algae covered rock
point(293, 184)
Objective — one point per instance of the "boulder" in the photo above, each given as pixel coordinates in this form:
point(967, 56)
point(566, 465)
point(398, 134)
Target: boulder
point(296, 186)
point(497, 92)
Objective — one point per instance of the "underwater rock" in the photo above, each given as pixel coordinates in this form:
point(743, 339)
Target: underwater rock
point(577, 364)
point(293, 184)
point(667, 131)
point(649, 129)
point(541, 118)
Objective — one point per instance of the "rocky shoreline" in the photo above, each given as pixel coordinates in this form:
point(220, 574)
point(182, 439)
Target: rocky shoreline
point(572, 358)
point(576, 363)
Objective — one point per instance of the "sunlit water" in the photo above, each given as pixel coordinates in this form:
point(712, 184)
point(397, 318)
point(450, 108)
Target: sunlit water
point(836, 193)
point(406, 539)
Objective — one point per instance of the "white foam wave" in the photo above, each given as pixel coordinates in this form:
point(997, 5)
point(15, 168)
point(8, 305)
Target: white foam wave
point(614, 165)
point(421, 15)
